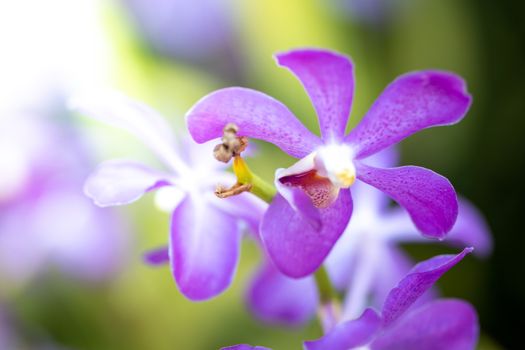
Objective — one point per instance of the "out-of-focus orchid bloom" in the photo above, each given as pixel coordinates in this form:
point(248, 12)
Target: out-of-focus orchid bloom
point(205, 231)
point(44, 218)
point(278, 299)
point(196, 30)
point(314, 205)
point(373, 12)
point(440, 324)
point(6, 338)
point(366, 262)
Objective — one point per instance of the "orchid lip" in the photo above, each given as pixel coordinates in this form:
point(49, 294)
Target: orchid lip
point(322, 173)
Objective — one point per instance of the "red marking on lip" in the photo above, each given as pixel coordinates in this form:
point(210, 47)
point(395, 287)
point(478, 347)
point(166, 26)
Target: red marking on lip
point(319, 188)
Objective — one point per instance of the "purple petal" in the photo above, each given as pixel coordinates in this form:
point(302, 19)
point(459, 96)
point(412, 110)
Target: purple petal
point(328, 78)
point(428, 197)
point(443, 324)
point(413, 102)
point(348, 334)
point(204, 249)
point(139, 119)
point(395, 266)
point(121, 182)
point(275, 298)
point(245, 347)
point(416, 282)
point(471, 229)
point(245, 207)
point(295, 246)
point(257, 115)
point(159, 256)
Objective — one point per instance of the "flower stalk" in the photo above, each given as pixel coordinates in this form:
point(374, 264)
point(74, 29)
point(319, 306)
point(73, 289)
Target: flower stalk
point(329, 311)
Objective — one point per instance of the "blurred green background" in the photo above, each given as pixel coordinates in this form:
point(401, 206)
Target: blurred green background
point(483, 41)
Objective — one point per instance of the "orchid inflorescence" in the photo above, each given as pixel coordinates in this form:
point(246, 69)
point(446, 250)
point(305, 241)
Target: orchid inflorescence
point(324, 226)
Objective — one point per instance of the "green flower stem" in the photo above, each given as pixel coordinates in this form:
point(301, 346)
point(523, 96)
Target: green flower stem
point(329, 311)
point(327, 292)
point(260, 188)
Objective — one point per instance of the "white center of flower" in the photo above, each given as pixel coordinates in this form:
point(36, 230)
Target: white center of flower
point(335, 163)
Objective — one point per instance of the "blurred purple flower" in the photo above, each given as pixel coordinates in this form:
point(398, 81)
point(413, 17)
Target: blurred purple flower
point(440, 324)
point(275, 298)
point(314, 205)
point(205, 231)
point(45, 220)
point(199, 30)
point(374, 12)
point(6, 337)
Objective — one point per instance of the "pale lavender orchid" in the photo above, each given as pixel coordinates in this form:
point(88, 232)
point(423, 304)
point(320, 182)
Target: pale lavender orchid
point(205, 232)
point(374, 12)
point(45, 220)
point(366, 262)
point(6, 336)
point(314, 205)
point(440, 324)
point(193, 30)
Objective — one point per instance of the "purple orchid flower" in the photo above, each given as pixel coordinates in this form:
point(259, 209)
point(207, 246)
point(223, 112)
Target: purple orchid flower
point(205, 232)
point(314, 204)
point(45, 220)
point(365, 262)
point(440, 324)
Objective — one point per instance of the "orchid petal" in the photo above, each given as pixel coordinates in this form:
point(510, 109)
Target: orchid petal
point(349, 334)
point(413, 102)
point(428, 197)
point(328, 78)
point(443, 324)
point(275, 298)
point(395, 265)
point(204, 249)
point(367, 198)
point(245, 347)
point(245, 206)
point(301, 203)
point(120, 182)
point(417, 282)
point(470, 229)
point(257, 115)
point(295, 246)
point(142, 121)
point(159, 256)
